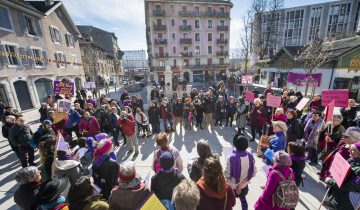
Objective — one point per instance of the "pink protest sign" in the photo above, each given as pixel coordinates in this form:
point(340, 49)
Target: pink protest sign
point(273, 101)
point(246, 79)
point(340, 97)
point(250, 96)
point(329, 111)
point(302, 104)
point(339, 169)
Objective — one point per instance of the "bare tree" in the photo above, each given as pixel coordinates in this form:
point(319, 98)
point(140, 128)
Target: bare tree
point(244, 47)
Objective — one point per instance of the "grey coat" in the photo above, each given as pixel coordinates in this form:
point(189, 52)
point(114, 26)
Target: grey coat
point(241, 115)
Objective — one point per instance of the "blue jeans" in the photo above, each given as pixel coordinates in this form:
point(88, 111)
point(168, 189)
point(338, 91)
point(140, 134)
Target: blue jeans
point(155, 127)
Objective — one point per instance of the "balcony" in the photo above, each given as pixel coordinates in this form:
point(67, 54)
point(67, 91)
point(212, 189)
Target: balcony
point(159, 27)
point(223, 28)
point(209, 14)
point(159, 13)
point(185, 28)
point(186, 54)
point(160, 41)
point(185, 14)
point(161, 55)
point(221, 41)
point(223, 14)
point(222, 53)
point(185, 41)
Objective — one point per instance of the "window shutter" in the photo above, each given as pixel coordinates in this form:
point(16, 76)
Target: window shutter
point(23, 23)
point(56, 60)
point(32, 57)
point(60, 39)
point(67, 40)
point(38, 28)
point(64, 57)
point(24, 56)
point(52, 34)
point(3, 58)
point(45, 58)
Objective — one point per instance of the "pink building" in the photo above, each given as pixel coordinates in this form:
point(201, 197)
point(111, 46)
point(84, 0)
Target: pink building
point(192, 37)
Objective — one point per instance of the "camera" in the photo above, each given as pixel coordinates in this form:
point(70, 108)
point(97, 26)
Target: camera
point(124, 117)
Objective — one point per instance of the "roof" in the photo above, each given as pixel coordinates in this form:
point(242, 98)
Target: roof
point(23, 6)
point(292, 51)
point(42, 7)
point(342, 46)
point(197, 1)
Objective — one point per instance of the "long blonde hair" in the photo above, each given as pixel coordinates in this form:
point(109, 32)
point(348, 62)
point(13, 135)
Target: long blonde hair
point(213, 174)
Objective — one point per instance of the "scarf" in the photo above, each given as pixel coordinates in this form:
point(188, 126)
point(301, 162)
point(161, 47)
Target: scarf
point(53, 204)
point(100, 160)
point(235, 165)
point(297, 158)
point(202, 186)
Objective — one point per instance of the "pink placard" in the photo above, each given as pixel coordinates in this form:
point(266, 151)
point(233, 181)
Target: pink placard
point(250, 96)
point(246, 79)
point(339, 169)
point(329, 111)
point(273, 101)
point(300, 106)
point(340, 97)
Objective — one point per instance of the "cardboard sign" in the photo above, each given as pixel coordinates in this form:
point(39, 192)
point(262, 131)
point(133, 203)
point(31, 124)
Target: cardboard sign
point(66, 88)
point(340, 97)
point(246, 80)
point(90, 85)
point(300, 106)
point(273, 101)
point(250, 96)
point(329, 111)
point(339, 169)
point(152, 203)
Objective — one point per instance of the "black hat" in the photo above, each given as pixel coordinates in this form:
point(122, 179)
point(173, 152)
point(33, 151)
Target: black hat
point(167, 160)
point(240, 142)
point(51, 190)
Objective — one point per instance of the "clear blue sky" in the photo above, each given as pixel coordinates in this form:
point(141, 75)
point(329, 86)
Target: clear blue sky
point(126, 18)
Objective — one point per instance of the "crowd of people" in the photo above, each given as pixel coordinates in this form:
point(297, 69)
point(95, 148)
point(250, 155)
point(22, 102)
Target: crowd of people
point(82, 172)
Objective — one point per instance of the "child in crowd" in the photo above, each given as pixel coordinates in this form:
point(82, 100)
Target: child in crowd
point(297, 155)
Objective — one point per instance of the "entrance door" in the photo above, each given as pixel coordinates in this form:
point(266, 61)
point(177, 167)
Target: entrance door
point(161, 52)
point(3, 96)
point(44, 88)
point(23, 95)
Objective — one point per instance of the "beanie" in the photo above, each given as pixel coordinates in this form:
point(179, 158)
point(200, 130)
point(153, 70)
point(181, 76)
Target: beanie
point(167, 160)
point(282, 158)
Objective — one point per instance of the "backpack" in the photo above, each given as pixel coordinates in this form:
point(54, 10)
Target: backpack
point(286, 194)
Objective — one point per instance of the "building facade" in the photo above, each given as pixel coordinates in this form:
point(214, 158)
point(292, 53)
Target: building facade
point(107, 41)
point(192, 37)
point(38, 45)
point(135, 65)
point(296, 26)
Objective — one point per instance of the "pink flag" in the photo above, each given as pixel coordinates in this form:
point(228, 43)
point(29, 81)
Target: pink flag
point(339, 169)
point(273, 101)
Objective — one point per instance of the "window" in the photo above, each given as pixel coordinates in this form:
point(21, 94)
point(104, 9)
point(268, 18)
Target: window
point(11, 54)
point(60, 59)
point(186, 49)
point(222, 36)
point(315, 18)
point(209, 50)
point(172, 8)
point(197, 10)
point(38, 58)
point(221, 61)
point(70, 40)
point(5, 21)
point(222, 10)
point(197, 37)
point(209, 61)
point(197, 61)
point(294, 26)
point(183, 8)
point(162, 63)
point(338, 19)
point(184, 23)
point(30, 26)
point(55, 34)
point(158, 7)
point(174, 49)
point(172, 22)
point(209, 37)
point(222, 23)
point(185, 35)
point(186, 62)
point(173, 36)
point(208, 9)
point(209, 23)
point(174, 62)
point(197, 24)
point(197, 50)
point(75, 60)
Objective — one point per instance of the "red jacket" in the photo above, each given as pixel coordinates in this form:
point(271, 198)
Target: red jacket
point(128, 126)
point(211, 200)
point(92, 126)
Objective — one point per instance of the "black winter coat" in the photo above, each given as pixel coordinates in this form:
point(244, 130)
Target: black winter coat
point(294, 130)
point(209, 105)
point(154, 114)
point(20, 135)
point(178, 109)
point(106, 176)
point(24, 197)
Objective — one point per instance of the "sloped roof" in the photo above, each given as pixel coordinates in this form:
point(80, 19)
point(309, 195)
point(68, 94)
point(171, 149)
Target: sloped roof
point(23, 6)
point(42, 7)
point(342, 46)
point(292, 51)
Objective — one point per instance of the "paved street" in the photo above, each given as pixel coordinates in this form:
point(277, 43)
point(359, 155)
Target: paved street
point(220, 140)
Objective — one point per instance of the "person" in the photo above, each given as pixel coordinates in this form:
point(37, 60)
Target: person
point(294, 131)
point(268, 90)
point(72, 123)
point(164, 182)
point(113, 117)
point(43, 112)
point(127, 123)
point(215, 193)
point(240, 169)
point(282, 163)
point(167, 116)
point(2, 106)
point(199, 111)
point(20, 135)
point(277, 141)
point(154, 117)
point(279, 115)
point(178, 110)
point(297, 155)
point(349, 114)
point(83, 196)
point(162, 142)
point(50, 195)
point(186, 195)
point(220, 109)
point(230, 111)
point(204, 152)
point(88, 125)
point(10, 122)
point(339, 196)
point(46, 150)
point(45, 129)
point(92, 101)
point(123, 96)
point(105, 169)
point(79, 100)
point(292, 103)
point(78, 108)
point(131, 190)
point(29, 180)
point(50, 102)
point(209, 109)
point(8, 111)
point(242, 109)
point(188, 113)
point(311, 133)
point(257, 118)
point(141, 121)
point(316, 103)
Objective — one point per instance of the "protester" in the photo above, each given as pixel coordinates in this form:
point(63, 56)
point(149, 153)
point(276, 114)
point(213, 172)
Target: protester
point(199, 111)
point(297, 155)
point(240, 169)
point(43, 111)
point(45, 129)
point(72, 123)
point(220, 110)
point(47, 149)
point(167, 116)
point(142, 123)
point(186, 195)
point(294, 129)
point(88, 125)
point(215, 193)
point(113, 127)
point(204, 152)
point(154, 117)
point(312, 129)
point(131, 191)
point(29, 184)
point(127, 123)
point(188, 114)
point(50, 195)
point(316, 103)
point(292, 103)
point(209, 109)
point(10, 122)
point(242, 110)
point(257, 118)
point(349, 114)
point(230, 111)
point(178, 110)
point(78, 108)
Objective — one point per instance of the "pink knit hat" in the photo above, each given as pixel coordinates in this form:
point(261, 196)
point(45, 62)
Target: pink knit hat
point(102, 147)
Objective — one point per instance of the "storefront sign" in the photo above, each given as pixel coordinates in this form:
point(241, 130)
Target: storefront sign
point(246, 80)
point(66, 88)
point(302, 104)
point(273, 101)
point(300, 79)
point(339, 169)
point(250, 96)
point(340, 97)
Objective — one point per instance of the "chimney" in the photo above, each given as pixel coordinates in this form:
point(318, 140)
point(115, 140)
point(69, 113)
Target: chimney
point(48, 2)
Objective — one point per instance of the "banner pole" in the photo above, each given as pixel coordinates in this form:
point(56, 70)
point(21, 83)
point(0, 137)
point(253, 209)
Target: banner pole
point(322, 202)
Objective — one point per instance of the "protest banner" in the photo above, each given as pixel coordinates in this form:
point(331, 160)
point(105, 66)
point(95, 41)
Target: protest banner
point(66, 88)
point(329, 111)
point(302, 104)
point(302, 79)
point(250, 96)
point(64, 106)
point(152, 203)
point(90, 85)
point(246, 80)
point(339, 169)
point(273, 101)
point(340, 97)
